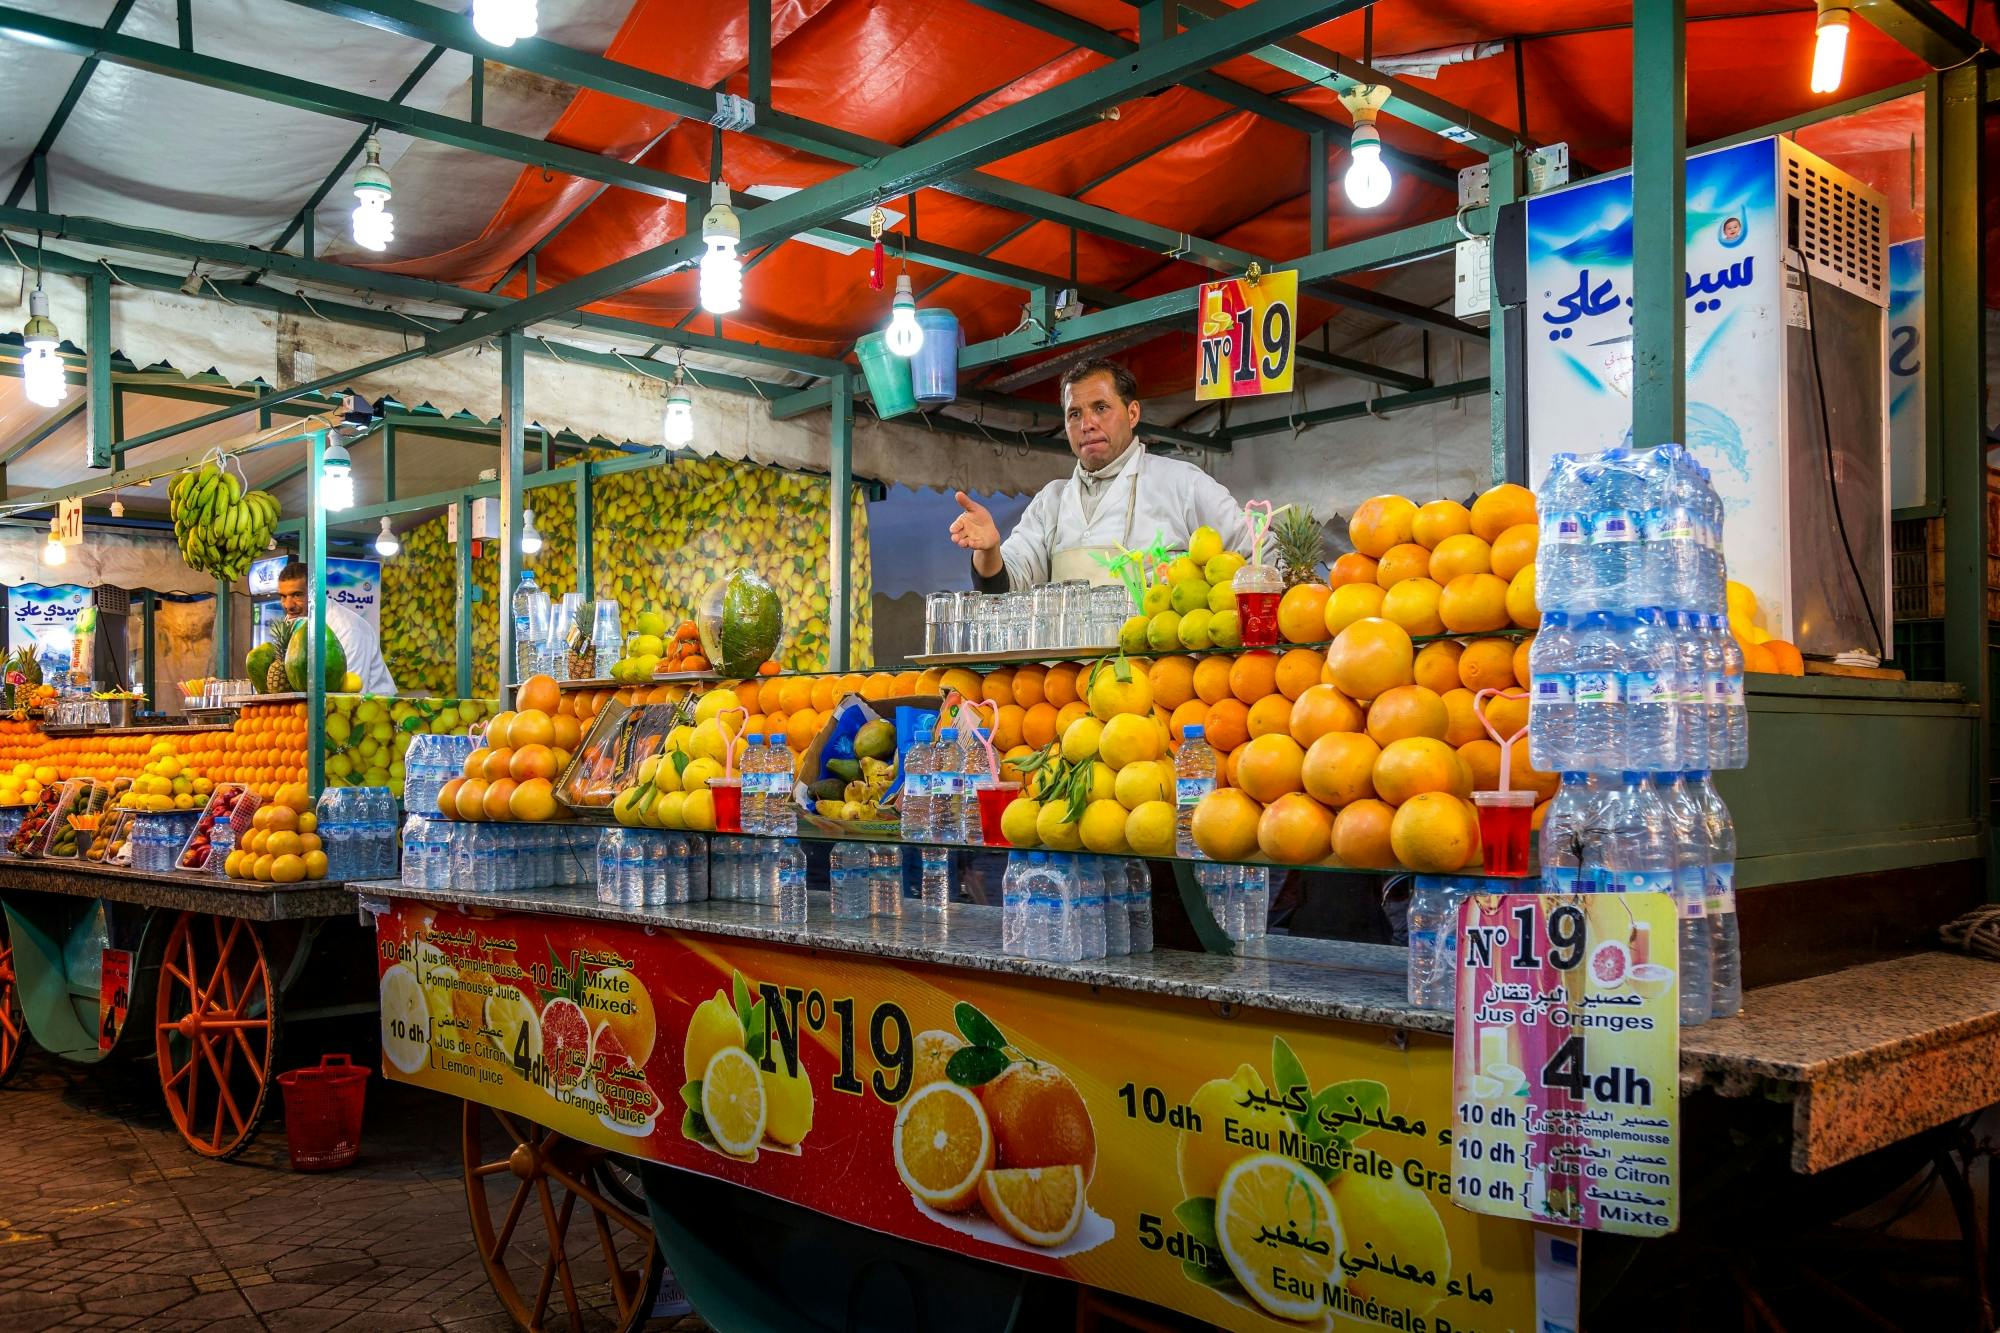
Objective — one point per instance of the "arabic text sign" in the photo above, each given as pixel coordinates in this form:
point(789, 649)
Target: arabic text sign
point(1565, 1060)
point(1259, 1172)
point(1248, 332)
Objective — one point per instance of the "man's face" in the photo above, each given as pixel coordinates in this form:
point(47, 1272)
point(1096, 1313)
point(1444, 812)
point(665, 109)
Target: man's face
point(1099, 422)
point(292, 595)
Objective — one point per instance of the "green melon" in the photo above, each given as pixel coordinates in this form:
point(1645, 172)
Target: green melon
point(295, 659)
point(741, 623)
point(257, 666)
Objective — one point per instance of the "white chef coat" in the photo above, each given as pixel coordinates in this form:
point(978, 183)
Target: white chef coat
point(1139, 495)
point(363, 647)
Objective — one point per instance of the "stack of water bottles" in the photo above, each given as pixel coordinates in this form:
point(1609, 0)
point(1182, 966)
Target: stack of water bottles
point(427, 843)
point(939, 803)
point(357, 826)
point(651, 868)
point(1636, 696)
point(866, 879)
point(1064, 908)
point(504, 858)
point(157, 839)
point(758, 869)
point(1239, 898)
point(430, 762)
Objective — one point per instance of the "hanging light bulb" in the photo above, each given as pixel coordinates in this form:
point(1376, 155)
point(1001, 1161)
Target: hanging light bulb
point(117, 506)
point(721, 270)
point(386, 544)
point(374, 224)
point(1367, 180)
point(905, 336)
point(531, 540)
point(41, 367)
point(679, 426)
point(54, 553)
point(336, 478)
point(504, 22)
point(1830, 47)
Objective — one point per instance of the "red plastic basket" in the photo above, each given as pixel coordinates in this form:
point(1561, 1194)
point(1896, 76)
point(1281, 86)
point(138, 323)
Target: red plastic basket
point(323, 1113)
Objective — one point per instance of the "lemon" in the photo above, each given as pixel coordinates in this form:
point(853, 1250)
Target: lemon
point(1163, 631)
point(1181, 569)
point(695, 777)
point(1225, 1135)
point(712, 1027)
point(1204, 545)
point(1266, 1205)
point(406, 1019)
point(1081, 738)
point(670, 810)
point(712, 703)
point(1103, 828)
point(1157, 599)
point(1017, 823)
point(1225, 630)
point(1127, 738)
point(732, 1101)
point(1053, 828)
point(1149, 829)
point(1103, 782)
point(1221, 571)
point(1194, 629)
point(1189, 595)
point(1397, 1218)
point(707, 743)
point(1139, 783)
point(790, 1097)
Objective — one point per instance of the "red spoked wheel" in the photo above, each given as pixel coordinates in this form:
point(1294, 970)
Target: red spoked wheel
point(216, 1031)
point(523, 1184)
point(13, 1024)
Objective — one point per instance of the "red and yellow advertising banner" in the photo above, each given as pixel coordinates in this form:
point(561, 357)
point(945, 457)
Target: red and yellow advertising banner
point(1257, 1171)
point(1249, 330)
point(1567, 1060)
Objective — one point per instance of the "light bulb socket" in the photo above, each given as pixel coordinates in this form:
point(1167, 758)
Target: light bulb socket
point(720, 223)
point(373, 177)
point(1833, 16)
point(39, 332)
point(1365, 136)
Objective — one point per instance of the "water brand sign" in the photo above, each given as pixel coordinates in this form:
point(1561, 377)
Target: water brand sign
point(1908, 445)
point(46, 615)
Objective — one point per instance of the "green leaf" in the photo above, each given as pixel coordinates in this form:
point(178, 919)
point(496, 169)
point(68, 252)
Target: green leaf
point(1207, 1277)
point(973, 1066)
point(681, 761)
point(740, 994)
point(977, 1027)
point(694, 1127)
point(691, 1094)
point(1197, 1218)
point(1287, 1073)
point(1356, 1097)
point(1121, 668)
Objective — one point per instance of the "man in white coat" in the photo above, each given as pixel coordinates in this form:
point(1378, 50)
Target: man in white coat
point(1118, 495)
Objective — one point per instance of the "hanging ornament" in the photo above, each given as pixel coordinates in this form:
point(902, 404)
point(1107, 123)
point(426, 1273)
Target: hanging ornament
point(877, 270)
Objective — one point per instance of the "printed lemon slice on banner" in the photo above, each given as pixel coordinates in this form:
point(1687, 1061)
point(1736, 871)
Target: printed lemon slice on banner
point(1041, 1205)
point(1279, 1234)
point(732, 1101)
point(1484, 1088)
point(406, 1020)
point(943, 1144)
point(514, 1016)
point(1513, 1083)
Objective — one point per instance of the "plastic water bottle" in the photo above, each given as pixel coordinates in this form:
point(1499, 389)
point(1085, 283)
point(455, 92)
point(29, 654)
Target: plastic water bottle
point(1690, 896)
point(848, 875)
point(1564, 533)
point(1734, 752)
point(791, 859)
point(971, 771)
point(1690, 703)
point(1433, 967)
point(531, 624)
point(1614, 531)
point(1194, 778)
point(1712, 586)
point(1255, 884)
point(1216, 885)
point(1013, 902)
point(1069, 913)
point(1599, 654)
point(913, 803)
point(1719, 855)
point(1117, 907)
point(944, 780)
point(751, 774)
point(1139, 904)
point(1090, 895)
point(1552, 693)
point(781, 812)
point(1651, 690)
point(885, 879)
point(934, 878)
point(1565, 834)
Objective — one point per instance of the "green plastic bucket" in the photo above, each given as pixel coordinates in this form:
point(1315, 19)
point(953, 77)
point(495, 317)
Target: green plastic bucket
point(888, 376)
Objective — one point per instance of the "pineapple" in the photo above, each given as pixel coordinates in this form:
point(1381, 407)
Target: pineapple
point(275, 680)
point(1301, 543)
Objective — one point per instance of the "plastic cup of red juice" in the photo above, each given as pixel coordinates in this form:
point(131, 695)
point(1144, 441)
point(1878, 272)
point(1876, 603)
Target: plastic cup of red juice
point(728, 794)
point(1258, 589)
point(994, 798)
point(1504, 821)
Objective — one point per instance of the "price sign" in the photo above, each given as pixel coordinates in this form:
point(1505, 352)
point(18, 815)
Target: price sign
point(1249, 330)
point(1566, 1061)
point(69, 522)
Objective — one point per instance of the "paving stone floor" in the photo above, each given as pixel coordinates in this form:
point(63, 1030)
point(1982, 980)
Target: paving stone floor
point(107, 1221)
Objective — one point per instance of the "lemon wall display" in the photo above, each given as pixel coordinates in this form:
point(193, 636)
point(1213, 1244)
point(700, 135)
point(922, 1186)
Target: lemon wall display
point(1259, 1172)
point(661, 536)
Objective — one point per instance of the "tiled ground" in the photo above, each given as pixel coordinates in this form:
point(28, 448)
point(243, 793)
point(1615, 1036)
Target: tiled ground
point(108, 1222)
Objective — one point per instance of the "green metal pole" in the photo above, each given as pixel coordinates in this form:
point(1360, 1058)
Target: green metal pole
point(586, 524)
point(1659, 236)
point(314, 550)
point(222, 654)
point(1505, 182)
point(840, 525)
point(388, 461)
point(465, 594)
point(512, 443)
point(148, 604)
point(97, 371)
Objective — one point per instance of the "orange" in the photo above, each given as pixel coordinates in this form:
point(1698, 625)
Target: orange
point(569, 732)
point(1523, 774)
point(1193, 713)
point(1434, 833)
point(1501, 508)
point(775, 724)
point(928, 682)
point(1508, 715)
point(1514, 549)
point(1007, 728)
point(800, 728)
point(1522, 608)
point(1407, 710)
point(470, 798)
point(1228, 723)
point(1352, 602)
point(498, 797)
point(1488, 664)
point(1361, 835)
point(1380, 523)
point(1295, 830)
point(1413, 604)
point(1038, 1206)
point(1758, 658)
point(1540, 816)
point(1270, 767)
point(1418, 764)
point(1069, 713)
point(771, 696)
point(1463, 554)
point(1322, 709)
point(1787, 659)
point(1302, 613)
point(1038, 725)
point(942, 1145)
point(1230, 762)
point(1461, 723)
point(1408, 561)
point(1521, 649)
point(879, 685)
point(1339, 769)
point(1039, 1119)
point(497, 729)
point(906, 683)
point(967, 683)
point(1272, 713)
point(1027, 685)
point(531, 762)
point(1298, 671)
point(1253, 675)
point(1438, 520)
point(1371, 657)
point(532, 727)
point(539, 693)
point(998, 687)
point(499, 763)
point(1059, 686)
point(1474, 602)
point(1353, 567)
point(1436, 666)
point(1483, 758)
point(1172, 679)
point(1211, 678)
point(1225, 824)
point(794, 693)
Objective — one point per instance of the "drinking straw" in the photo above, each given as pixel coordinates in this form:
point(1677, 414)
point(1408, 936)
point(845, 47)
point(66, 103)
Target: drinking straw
point(729, 737)
point(1257, 528)
point(985, 737)
point(1506, 742)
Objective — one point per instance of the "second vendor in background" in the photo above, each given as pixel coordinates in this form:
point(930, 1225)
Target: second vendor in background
point(1118, 496)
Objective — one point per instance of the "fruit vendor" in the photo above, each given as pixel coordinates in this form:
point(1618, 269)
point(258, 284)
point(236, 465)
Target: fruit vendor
point(357, 638)
point(1118, 496)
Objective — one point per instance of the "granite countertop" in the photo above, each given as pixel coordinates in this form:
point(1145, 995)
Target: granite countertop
point(178, 890)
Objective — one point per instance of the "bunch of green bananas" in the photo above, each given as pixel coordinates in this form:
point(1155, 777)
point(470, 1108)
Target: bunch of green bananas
point(220, 526)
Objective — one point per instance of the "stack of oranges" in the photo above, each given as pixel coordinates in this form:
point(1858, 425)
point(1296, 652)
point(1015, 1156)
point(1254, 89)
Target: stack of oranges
point(283, 845)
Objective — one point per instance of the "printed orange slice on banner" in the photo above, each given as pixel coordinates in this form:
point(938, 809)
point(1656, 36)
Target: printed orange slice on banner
point(732, 1101)
point(943, 1144)
point(1038, 1205)
point(1279, 1234)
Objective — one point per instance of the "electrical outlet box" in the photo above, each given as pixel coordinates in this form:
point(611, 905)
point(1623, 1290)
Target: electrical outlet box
point(485, 521)
point(1472, 293)
point(1547, 168)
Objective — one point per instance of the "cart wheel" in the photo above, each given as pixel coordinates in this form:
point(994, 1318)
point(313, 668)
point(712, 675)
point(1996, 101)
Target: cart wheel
point(217, 1027)
point(13, 1025)
point(513, 1169)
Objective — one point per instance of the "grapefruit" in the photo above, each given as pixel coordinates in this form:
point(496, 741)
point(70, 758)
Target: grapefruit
point(1522, 608)
point(1608, 964)
point(1339, 768)
point(1380, 523)
point(1506, 505)
point(1413, 604)
point(1039, 1119)
point(1407, 710)
point(1351, 602)
point(1302, 613)
point(1269, 767)
point(1295, 830)
point(1434, 833)
point(1463, 554)
point(1436, 666)
point(1487, 664)
point(1514, 549)
point(1474, 603)
point(1353, 567)
point(1438, 521)
point(1225, 825)
point(1361, 835)
point(1323, 709)
point(1371, 657)
point(1419, 764)
point(565, 1043)
point(1408, 561)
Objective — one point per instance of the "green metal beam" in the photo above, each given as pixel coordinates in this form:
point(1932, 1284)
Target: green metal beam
point(46, 427)
point(1437, 393)
point(40, 152)
point(1659, 236)
point(1031, 121)
point(759, 44)
point(513, 390)
point(840, 526)
point(1816, 116)
point(97, 372)
point(586, 535)
point(1923, 28)
point(339, 379)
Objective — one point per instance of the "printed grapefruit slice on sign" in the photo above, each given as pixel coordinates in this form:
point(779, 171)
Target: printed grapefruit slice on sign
point(565, 1042)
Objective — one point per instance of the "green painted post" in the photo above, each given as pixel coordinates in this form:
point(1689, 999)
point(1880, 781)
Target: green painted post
point(512, 443)
point(760, 54)
point(222, 654)
point(1659, 236)
point(840, 526)
point(97, 370)
point(148, 604)
point(465, 591)
point(388, 461)
point(313, 548)
point(586, 524)
point(1506, 182)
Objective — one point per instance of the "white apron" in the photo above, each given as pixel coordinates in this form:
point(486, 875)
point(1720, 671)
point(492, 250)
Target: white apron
point(1088, 563)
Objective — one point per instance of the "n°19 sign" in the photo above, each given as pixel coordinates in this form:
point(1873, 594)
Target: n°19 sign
point(1249, 327)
